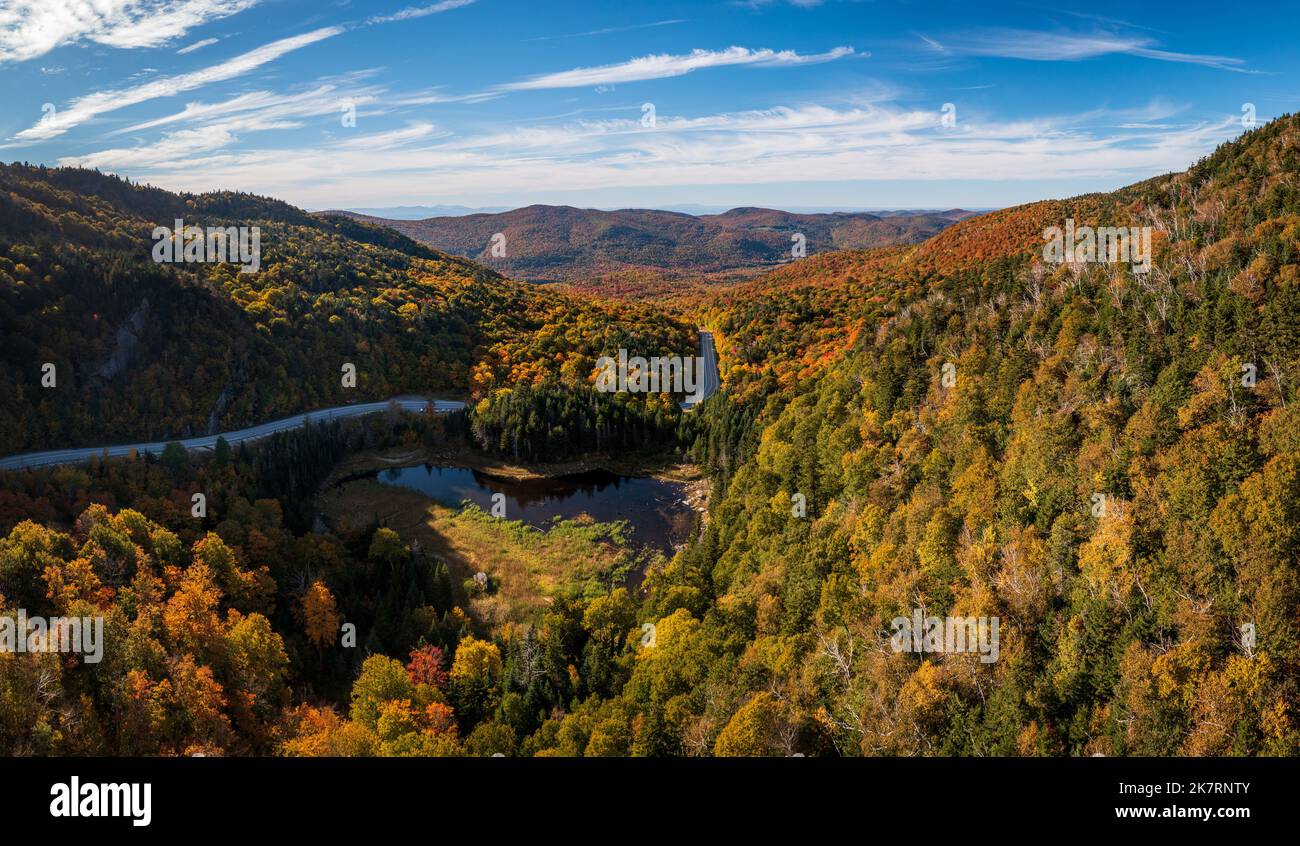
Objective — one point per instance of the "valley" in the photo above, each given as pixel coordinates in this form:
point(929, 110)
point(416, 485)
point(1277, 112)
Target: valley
point(885, 394)
point(639, 251)
point(959, 426)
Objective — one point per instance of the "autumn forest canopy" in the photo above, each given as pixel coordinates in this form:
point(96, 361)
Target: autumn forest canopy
point(1106, 461)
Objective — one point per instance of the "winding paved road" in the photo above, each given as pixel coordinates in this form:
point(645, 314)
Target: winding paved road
point(342, 412)
point(710, 382)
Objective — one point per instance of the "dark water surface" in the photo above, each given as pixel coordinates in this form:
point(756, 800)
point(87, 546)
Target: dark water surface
point(654, 509)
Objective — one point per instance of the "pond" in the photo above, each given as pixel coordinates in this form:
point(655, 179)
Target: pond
point(655, 510)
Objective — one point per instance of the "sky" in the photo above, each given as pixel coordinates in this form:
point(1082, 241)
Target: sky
point(502, 103)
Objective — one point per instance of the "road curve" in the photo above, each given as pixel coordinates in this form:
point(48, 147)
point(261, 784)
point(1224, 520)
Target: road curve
point(253, 433)
point(710, 382)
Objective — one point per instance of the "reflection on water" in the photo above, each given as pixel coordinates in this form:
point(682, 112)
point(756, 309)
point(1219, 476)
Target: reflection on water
point(654, 509)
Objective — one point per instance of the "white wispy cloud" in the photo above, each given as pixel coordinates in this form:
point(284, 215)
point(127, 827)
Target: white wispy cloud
point(932, 43)
point(322, 99)
point(32, 28)
point(89, 106)
point(756, 4)
point(1066, 46)
point(177, 148)
point(667, 65)
point(390, 140)
point(217, 126)
point(213, 127)
point(197, 45)
point(420, 11)
point(810, 143)
point(608, 30)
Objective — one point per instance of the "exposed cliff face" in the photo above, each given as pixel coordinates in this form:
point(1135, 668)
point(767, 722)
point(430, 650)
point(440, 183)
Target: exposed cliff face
point(127, 337)
point(214, 419)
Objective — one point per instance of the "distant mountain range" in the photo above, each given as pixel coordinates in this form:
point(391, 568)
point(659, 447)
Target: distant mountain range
point(566, 244)
point(421, 212)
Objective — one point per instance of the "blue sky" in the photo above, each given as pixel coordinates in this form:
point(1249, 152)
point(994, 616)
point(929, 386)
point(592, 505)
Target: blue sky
point(504, 103)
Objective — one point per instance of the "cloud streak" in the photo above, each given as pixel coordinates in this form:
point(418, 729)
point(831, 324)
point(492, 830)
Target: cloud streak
point(32, 28)
point(92, 105)
point(413, 12)
point(668, 65)
point(1073, 47)
point(197, 45)
point(608, 30)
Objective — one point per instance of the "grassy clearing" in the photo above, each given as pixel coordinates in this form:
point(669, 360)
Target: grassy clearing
point(527, 567)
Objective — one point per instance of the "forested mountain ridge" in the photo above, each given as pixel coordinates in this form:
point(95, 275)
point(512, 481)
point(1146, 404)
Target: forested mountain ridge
point(1112, 468)
point(588, 246)
point(791, 321)
point(145, 350)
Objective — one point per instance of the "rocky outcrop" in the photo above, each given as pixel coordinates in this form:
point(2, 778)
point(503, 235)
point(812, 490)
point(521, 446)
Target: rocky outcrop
point(127, 337)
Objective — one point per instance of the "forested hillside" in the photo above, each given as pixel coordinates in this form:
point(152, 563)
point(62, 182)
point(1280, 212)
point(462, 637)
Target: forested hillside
point(1107, 461)
point(143, 350)
point(594, 249)
point(1101, 475)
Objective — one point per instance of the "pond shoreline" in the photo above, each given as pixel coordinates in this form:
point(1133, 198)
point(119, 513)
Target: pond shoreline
point(460, 454)
point(532, 567)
